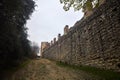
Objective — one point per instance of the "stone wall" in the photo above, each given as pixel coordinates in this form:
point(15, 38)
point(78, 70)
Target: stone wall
point(94, 41)
point(43, 46)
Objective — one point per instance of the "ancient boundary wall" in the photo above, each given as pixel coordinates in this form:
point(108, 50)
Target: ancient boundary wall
point(94, 41)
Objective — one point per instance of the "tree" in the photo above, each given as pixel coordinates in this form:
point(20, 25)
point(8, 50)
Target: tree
point(35, 49)
point(79, 4)
point(14, 45)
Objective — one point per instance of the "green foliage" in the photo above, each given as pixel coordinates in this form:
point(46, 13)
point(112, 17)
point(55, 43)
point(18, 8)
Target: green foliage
point(79, 4)
point(14, 45)
point(105, 74)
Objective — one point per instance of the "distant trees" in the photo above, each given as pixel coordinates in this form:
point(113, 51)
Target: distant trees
point(80, 4)
point(35, 50)
point(14, 45)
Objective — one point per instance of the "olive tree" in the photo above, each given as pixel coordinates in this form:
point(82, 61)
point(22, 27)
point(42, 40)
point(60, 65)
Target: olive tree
point(79, 4)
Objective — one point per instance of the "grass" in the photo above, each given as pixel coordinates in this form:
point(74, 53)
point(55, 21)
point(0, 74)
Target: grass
point(22, 65)
point(105, 74)
point(11, 70)
point(8, 72)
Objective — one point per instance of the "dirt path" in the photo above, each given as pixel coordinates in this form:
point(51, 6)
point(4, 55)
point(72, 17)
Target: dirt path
point(44, 69)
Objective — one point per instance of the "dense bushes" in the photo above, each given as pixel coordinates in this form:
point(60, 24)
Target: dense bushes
point(14, 45)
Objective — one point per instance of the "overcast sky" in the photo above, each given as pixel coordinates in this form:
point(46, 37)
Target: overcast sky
point(49, 19)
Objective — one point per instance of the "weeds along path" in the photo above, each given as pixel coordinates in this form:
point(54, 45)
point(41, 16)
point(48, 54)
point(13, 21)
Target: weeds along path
point(44, 69)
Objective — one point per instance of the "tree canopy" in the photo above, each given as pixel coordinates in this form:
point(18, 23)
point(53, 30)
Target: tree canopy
point(79, 4)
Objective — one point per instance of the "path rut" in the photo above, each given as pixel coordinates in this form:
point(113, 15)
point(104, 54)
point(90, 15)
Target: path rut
point(44, 69)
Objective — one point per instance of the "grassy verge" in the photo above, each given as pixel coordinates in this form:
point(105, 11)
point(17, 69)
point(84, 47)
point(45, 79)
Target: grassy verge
point(106, 74)
point(22, 65)
point(19, 66)
point(7, 73)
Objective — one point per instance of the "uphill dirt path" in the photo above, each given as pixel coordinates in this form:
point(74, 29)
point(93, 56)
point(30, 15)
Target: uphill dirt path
point(44, 69)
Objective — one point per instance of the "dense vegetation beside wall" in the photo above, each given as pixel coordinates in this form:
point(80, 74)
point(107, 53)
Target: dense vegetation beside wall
point(94, 41)
point(105, 74)
point(14, 45)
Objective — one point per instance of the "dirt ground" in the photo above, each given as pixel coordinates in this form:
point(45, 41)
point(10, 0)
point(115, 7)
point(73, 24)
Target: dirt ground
point(44, 69)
